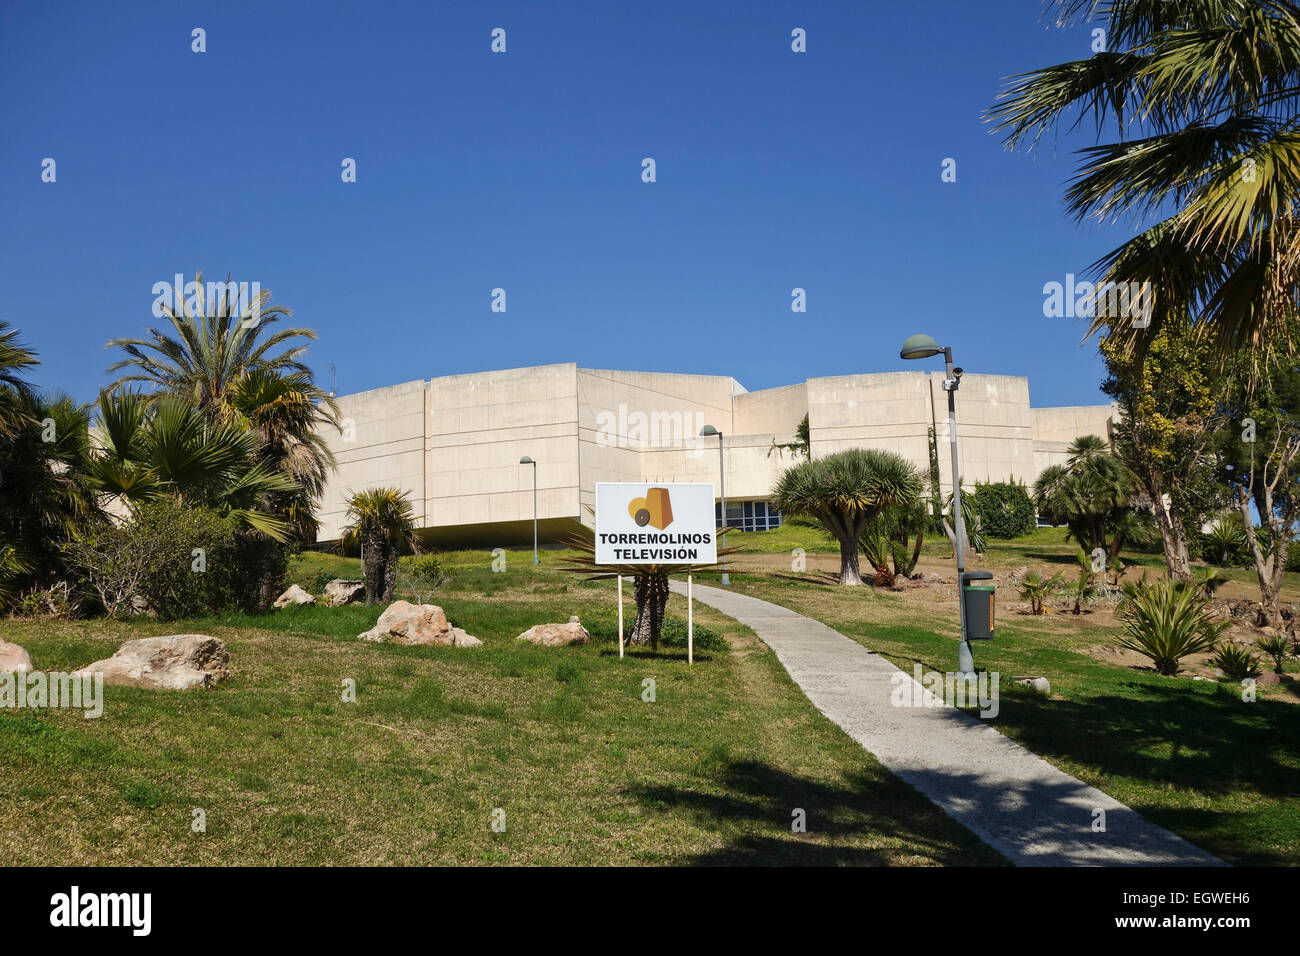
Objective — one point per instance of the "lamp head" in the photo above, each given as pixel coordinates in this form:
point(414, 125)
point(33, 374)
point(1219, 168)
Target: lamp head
point(919, 346)
point(708, 431)
point(526, 461)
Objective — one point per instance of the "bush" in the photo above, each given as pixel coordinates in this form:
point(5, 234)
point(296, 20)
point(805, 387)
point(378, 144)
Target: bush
point(1005, 509)
point(183, 561)
point(420, 575)
point(604, 627)
point(1236, 662)
point(1167, 621)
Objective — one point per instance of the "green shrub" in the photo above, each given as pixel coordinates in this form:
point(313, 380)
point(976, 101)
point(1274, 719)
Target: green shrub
point(1005, 509)
point(1235, 661)
point(1167, 621)
point(604, 627)
point(420, 575)
point(183, 561)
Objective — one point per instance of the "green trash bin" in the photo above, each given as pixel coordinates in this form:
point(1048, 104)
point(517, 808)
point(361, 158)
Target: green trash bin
point(977, 604)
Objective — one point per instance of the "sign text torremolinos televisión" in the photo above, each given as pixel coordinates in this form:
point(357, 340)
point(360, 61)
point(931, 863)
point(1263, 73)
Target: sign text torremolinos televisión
point(671, 547)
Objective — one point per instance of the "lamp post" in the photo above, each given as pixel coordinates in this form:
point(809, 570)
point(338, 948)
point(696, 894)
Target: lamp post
point(921, 346)
point(528, 461)
point(708, 431)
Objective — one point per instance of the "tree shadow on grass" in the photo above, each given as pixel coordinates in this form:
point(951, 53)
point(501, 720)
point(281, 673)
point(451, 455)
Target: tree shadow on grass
point(1211, 743)
point(752, 804)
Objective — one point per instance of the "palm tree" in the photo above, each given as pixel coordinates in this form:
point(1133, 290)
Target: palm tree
point(284, 410)
point(15, 359)
point(45, 497)
point(221, 362)
point(211, 351)
point(845, 491)
point(382, 521)
point(146, 448)
point(1091, 493)
point(1202, 98)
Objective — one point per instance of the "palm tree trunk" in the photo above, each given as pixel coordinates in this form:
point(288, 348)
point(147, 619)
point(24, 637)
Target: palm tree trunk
point(651, 593)
point(372, 569)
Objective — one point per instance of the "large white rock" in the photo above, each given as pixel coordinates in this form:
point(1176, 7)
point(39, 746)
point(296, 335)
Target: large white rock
point(14, 658)
point(294, 595)
point(342, 591)
point(406, 623)
point(556, 635)
point(175, 662)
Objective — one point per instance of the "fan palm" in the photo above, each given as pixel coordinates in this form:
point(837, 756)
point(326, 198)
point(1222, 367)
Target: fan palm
point(15, 359)
point(147, 448)
point(1091, 493)
point(845, 491)
point(44, 494)
point(285, 410)
point(382, 521)
point(1203, 98)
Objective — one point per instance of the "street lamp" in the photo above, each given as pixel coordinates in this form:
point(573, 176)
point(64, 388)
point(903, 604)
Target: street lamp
point(708, 431)
point(528, 461)
point(921, 346)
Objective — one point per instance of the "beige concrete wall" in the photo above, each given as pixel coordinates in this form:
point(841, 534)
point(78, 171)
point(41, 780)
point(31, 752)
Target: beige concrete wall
point(635, 426)
point(1068, 422)
point(770, 411)
point(994, 429)
point(480, 425)
point(455, 442)
point(890, 411)
point(382, 444)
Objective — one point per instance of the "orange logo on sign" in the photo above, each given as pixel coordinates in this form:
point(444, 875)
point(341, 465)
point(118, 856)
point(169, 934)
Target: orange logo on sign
point(654, 509)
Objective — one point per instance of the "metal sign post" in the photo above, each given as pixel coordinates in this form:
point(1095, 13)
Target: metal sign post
point(690, 619)
point(620, 615)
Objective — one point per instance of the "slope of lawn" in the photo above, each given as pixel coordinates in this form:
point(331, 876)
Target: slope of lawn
point(438, 739)
point(1189, 755)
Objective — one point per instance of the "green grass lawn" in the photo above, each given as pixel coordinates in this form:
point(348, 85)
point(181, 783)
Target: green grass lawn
point(1188, 755)
point(439, 738)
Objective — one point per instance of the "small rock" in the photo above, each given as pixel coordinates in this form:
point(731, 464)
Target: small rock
point(1040, 684)
point(406, 623)
point(343, 591)
point(556, 635)
point(14, 658)
point(294, 595)
point(176, 662)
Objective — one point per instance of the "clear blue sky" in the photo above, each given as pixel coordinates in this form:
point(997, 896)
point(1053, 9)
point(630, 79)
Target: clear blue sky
point(522, 170)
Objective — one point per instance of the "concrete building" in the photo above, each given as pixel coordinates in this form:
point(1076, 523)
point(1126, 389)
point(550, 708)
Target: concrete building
point(454, 443)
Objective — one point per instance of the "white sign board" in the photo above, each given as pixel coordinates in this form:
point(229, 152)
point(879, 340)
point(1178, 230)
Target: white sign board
point(649, 523)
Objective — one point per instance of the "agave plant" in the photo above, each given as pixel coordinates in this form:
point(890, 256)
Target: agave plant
point(1037, 590)
point(1235, 661)
point(1168, 621)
